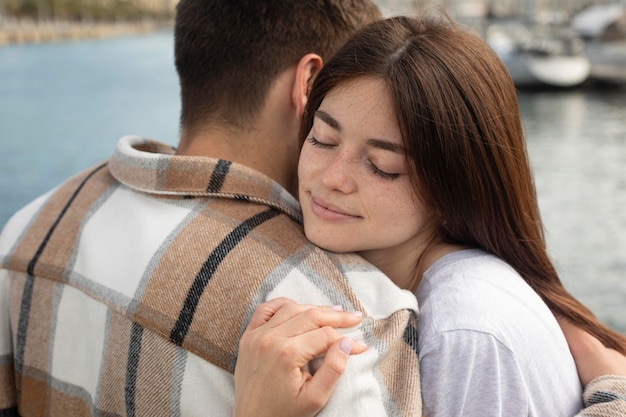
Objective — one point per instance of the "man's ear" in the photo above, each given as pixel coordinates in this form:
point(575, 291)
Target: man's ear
point(308, 67)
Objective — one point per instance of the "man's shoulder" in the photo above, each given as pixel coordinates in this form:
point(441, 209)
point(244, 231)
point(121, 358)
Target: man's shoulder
point(49, 207)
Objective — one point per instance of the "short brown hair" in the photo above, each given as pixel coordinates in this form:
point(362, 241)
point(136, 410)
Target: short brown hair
point(228, 52)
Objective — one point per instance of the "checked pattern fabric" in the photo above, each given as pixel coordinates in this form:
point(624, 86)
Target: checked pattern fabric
point(125, 290)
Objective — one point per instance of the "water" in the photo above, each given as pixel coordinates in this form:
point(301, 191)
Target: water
point(577, 147)
point(63, 106)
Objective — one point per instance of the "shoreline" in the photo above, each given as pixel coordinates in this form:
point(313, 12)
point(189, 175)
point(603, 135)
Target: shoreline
point(21, 33)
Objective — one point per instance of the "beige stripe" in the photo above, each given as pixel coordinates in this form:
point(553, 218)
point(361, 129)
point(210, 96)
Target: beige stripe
point(399, 368)
point(183, 175)
point(111, 397)
point(7, 386)
point(611, 408)
point(167, 288)
point(33, 397)
point(52, 262)
point(29, 244)
point(213, 334)
point(327, 269)
point(37, 349)
point(154, 376)
point(37, 398)
point(65, 405)
point(229, 294)
point(243, 181)
point(16, 289)
point(137, 177)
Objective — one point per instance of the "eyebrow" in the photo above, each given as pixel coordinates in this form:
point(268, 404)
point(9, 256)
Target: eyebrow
point(328, 119)
point(376, 143)
point(386, 145)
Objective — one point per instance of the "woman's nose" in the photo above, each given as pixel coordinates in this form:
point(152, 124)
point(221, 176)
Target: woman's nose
point(339, 174)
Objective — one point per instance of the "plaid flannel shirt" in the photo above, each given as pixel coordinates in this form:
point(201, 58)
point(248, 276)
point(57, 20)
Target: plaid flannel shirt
point(125, 290)
point(605, 396)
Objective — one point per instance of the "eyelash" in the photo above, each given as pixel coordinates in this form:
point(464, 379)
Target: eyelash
point(383, 174)
point(313, 140)
point(373, 168)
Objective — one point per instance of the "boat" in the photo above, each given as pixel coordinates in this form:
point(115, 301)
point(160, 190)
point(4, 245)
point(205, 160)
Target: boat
point(603, 28)
point(539, 55)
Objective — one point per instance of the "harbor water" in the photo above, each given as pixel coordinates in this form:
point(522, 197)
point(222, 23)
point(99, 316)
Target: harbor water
point(64, 105)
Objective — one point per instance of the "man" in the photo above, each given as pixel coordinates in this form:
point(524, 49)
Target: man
point(125, 290)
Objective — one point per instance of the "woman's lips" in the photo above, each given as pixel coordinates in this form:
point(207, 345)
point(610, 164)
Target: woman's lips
point(329, 212)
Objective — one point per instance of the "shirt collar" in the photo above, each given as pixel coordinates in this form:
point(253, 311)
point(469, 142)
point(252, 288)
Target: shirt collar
point(152, 167)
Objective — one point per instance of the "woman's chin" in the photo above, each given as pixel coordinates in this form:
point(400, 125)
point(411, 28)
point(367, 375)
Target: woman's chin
point(328, 243)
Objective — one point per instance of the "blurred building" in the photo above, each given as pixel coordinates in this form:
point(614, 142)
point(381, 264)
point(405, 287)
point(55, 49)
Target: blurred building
point(540, 9)
point(87, 10)
point(156, 6)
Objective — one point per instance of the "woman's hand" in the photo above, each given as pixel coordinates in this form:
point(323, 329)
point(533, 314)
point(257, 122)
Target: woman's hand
point(592, 358)
point(273, 376)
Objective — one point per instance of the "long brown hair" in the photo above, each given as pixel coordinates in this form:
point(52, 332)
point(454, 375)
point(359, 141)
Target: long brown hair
point(457, 109)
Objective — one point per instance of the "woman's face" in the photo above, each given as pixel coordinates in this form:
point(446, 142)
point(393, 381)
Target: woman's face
point(354, 185)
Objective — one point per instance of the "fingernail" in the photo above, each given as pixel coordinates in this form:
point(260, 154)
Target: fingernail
point(337, 308)
point(346, 345)
point(357, 313)
point(361, 343)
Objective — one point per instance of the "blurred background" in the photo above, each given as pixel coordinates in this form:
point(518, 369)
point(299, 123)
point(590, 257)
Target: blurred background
point(76, 75)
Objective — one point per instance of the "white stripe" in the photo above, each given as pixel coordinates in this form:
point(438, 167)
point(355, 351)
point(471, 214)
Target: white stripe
point(119, 241)
point(207, 390)
point(79, 340)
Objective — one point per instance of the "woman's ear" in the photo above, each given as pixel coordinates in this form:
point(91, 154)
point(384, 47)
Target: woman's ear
point(306, 71)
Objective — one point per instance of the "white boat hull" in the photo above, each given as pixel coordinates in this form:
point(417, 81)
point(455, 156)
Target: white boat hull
point(529, 70)
point(608, 61)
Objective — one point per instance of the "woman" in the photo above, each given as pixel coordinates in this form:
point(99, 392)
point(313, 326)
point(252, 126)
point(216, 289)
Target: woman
point(414, 157)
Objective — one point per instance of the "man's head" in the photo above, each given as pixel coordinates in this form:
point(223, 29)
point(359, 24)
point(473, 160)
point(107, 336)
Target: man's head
point(229, 52)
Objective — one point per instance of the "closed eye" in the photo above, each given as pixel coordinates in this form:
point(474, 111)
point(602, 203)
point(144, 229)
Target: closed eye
point(313, 141)
point(381, 173)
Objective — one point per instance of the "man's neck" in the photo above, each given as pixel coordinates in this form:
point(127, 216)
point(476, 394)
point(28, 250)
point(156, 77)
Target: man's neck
point(269, 146)
point(262, 150)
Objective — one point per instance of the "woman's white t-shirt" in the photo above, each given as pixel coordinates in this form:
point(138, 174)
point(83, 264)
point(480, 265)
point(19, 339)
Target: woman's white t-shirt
point(488, 345)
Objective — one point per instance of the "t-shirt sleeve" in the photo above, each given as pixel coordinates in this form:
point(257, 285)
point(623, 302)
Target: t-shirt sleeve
point(470, 374)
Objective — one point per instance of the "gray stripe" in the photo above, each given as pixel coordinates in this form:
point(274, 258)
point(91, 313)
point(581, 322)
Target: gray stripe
point(180, 359)
point(102, 362)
